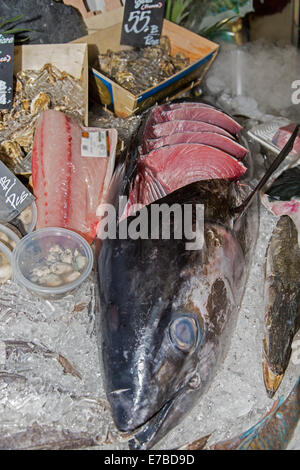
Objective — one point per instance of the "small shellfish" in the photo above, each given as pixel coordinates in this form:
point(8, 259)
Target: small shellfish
point(61, 268)
point(10, 153)
point(72, 276)
point(40, 102)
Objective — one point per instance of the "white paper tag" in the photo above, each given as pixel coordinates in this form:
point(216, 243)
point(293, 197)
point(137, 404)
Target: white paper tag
point(94, 144)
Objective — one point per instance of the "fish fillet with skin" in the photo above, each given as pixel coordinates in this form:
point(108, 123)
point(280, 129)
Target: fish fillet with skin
point(67, 186)
point(197, 113)
point(212, 139)
point(163, 129)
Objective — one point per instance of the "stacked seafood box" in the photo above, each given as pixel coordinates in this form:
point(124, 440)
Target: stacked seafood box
point(127, 261)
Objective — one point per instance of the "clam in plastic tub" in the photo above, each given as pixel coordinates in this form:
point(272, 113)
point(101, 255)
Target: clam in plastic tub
point(5, 263)
point(9, 235)
point(52, 262)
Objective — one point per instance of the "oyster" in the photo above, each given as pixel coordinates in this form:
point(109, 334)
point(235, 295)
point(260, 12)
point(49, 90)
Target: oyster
point(10, 153)
point(139, 69)
point(35, 91)
point(60, 266)
point(5, 268)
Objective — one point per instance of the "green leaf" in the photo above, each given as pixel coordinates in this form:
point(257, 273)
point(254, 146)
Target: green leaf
point(10, 20)
point(216, 28)
point(16, 30)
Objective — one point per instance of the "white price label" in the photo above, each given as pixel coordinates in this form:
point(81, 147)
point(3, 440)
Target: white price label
point(95, 144)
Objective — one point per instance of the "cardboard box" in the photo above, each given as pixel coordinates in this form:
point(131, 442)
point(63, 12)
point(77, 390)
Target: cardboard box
point(71, 58)
point(200, 51)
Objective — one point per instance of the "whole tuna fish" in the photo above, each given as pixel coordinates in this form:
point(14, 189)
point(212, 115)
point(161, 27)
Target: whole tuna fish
point(273, 432)
point(167, 313)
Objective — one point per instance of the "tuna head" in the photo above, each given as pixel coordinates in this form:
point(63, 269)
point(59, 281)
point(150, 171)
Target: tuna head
point(166, 315)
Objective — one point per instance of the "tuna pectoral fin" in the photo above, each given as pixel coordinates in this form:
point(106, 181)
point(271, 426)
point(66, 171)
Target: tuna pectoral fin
point(272, 379)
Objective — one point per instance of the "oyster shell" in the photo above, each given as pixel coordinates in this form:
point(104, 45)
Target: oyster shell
point(35, 91)
point(139, 69)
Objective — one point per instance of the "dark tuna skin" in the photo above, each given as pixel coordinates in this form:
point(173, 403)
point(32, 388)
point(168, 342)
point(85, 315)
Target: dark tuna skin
point(144, 286)
point(282, 300)
point(167, 314)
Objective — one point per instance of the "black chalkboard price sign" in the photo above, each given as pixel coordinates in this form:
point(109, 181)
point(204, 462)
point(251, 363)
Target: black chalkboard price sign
point(14, 196)
point(142, 22)
point(6, 70)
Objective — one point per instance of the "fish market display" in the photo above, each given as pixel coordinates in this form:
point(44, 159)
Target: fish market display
point(282, 297)
point(167, 312)
point(36, 91)
point(139, 69)
point(68, 186)
point(273, 432)
point(282, 136)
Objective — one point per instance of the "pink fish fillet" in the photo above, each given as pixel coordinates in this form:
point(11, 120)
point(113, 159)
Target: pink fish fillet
point(208, 138)
point(163, 129)
point(67, 186)
point(169, 168)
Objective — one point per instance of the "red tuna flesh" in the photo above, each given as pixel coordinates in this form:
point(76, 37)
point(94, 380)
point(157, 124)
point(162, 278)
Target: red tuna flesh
point(169, 168)
point(208, 138)
point(197, 113)
point(67, 186)
point(174, 127)
point(282, 136)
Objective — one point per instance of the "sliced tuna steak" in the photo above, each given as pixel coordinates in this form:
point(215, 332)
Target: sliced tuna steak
point(208, 138)
point(167, 169)
point(197, 113)
point(67, 186)
point(173, 127)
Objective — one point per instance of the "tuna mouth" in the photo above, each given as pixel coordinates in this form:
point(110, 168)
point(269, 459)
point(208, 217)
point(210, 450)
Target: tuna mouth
point(272, 379)
point(150, 432)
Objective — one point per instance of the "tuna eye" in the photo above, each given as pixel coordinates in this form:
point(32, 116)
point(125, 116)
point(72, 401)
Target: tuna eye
point(183, 333)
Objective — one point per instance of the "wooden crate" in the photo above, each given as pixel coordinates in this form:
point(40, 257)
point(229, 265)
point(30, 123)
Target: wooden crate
point(200, 51)
point(71, 58)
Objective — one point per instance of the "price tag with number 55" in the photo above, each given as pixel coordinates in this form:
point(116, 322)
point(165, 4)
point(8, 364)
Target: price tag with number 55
point(142, 22)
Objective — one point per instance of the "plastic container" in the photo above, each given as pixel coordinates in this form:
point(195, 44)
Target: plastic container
point(5, 263)
point(9, 236)
point(52, 262)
